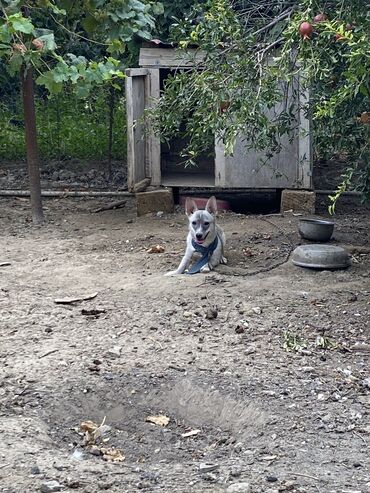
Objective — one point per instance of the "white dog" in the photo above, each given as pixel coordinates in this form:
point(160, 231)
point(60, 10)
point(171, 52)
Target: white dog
point(205, 237)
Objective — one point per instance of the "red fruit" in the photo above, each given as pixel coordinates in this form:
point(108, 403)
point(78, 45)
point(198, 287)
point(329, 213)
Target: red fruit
point(306, 29)
point(38, 44)
point(338, 37)
point(320, 18)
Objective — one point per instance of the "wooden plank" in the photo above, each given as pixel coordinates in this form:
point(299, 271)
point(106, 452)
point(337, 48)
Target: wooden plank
point(135, 86)
point(220, 163)
point(167, 58)
point(153, 140)
point(135, 72)
point(305, 152)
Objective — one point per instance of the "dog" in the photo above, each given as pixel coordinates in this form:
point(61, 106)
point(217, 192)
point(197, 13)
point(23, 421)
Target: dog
point(204, 237)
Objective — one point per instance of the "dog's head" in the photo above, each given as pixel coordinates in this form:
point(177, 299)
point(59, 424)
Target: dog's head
point(202, 222)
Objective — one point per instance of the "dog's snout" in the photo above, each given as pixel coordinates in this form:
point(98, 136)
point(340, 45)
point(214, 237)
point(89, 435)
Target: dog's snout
point(199, 236)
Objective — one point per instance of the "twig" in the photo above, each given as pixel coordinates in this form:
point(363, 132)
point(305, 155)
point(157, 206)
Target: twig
point(113, 205)
point(304, 475)
point(359, 436)
point(48, 353)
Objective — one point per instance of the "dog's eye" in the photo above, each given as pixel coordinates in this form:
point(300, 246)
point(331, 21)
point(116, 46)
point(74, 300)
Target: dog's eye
point(194, 223)
point(206, 223)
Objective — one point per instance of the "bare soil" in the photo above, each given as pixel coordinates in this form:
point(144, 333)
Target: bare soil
point(277, 384)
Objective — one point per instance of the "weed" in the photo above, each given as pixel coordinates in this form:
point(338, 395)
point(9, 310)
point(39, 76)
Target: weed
point(293, 342)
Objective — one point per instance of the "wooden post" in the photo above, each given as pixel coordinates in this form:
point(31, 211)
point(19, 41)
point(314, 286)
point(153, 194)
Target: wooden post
point(31, 144)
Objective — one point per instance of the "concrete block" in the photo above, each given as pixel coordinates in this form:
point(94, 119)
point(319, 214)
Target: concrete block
point(154, 201)
point(298, 201)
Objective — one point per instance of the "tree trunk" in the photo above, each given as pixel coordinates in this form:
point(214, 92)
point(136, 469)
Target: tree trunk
point(31, 144)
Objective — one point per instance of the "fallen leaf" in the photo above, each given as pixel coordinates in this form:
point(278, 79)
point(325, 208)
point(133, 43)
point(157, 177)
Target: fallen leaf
point(89, 426)
point(67, 301)
point(156, 249)
point(159, 420)
point(112, 454)
point(190, 433)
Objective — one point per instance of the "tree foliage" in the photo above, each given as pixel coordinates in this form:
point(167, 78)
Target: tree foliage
point(253, 54)
point(48, 35)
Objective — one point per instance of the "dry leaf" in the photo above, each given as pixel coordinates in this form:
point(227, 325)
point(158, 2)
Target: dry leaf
point(190, 433)
point(160, 420)
point(156, 249)
point(112, 454)
point(88, 426)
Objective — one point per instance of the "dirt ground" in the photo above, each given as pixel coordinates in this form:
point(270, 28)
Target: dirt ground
point(275, 389)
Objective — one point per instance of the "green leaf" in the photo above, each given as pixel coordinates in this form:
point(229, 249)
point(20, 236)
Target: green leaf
point(5, 35)
point(20, 23)
point(49, 82)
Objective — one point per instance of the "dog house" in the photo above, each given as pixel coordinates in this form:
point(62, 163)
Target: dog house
point(148, 157)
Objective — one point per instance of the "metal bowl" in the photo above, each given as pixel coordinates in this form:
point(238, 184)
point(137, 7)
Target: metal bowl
point(321, 257)
point(315, 229)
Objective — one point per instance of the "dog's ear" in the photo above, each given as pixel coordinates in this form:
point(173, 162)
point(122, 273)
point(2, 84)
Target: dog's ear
point(211, 205)
point(190, 206)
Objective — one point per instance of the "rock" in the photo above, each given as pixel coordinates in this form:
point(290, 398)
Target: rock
point(154, 201)
point(255, 310)
point(35, 470)
point(114, 352)
point(235, 471)
point(250, 349)
point(239, 488)
point(366, 382)
point(239, 329)
point(50, 486)
point(287, 486)
point(203, 467)
point(211, 313)
point(271, 479)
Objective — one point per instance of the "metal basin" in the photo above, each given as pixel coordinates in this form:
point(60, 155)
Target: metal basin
point(315, 229)
point(321, 257)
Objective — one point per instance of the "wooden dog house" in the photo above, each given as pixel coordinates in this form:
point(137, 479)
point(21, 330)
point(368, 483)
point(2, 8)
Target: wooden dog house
point(147, 157)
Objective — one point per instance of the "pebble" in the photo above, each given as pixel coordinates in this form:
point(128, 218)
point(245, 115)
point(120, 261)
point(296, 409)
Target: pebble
point(51, 486)
point(271, 479)
point(235, 471)
point(239, 488)
point(114, 352)
point(35, 470)
point(203, 467)
point(211, 313)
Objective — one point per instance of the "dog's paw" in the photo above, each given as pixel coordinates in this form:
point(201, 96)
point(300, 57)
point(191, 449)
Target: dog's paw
point(224, 260)
point(171, 273)
point(205, 268)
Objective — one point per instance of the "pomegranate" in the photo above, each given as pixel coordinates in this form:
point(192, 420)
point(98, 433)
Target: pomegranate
point(38, 44)
point(306, 30)
point(320, 18)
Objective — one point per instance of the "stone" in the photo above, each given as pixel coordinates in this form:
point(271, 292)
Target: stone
point(298, 201)
point(203, 467)
point(239, 488)
point(154, 201)
point(114, 352)
point(50, 486)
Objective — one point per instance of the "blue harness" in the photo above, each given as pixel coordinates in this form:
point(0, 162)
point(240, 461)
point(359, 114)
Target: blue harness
point(206, 253)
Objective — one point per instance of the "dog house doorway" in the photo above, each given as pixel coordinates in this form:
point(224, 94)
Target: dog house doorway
point(173, 170)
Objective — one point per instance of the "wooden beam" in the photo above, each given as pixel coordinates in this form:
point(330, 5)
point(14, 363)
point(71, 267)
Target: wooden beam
point(167, 58)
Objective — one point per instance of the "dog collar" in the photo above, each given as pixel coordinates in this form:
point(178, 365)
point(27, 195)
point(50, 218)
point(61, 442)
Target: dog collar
point(206, 253)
